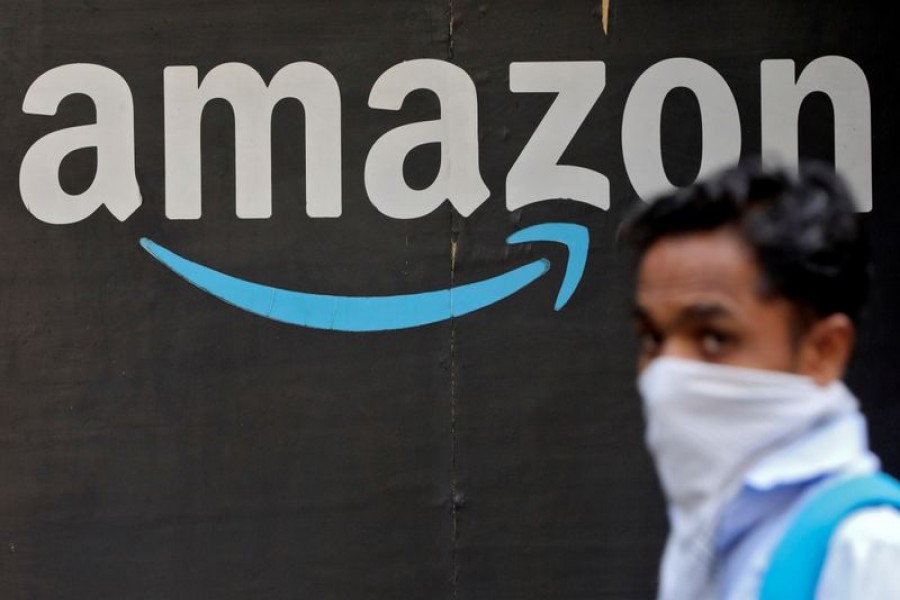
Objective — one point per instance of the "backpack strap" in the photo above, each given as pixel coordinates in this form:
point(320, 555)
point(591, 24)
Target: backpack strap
point(794, 567)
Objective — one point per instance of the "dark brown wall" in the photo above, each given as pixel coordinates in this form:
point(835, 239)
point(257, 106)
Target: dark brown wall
point(157, 443)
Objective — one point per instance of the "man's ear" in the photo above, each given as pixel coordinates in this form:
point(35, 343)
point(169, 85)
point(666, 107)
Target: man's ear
point(825, 349)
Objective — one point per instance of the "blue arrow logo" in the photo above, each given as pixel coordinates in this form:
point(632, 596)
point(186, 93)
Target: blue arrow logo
point(378, 313)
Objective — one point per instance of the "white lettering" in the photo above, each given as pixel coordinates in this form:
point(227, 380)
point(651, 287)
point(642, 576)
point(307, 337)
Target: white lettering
point(845, 85)
point(114, 184)
point(252, 103)
point(458, 179)
point(641, 144)
point(536, 174)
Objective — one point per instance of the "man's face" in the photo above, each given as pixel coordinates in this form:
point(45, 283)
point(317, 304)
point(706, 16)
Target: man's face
point(698, 297)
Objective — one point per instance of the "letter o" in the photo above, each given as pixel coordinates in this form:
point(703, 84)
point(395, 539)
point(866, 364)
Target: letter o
point(641, 120)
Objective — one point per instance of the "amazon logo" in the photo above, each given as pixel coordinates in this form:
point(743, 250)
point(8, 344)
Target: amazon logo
point(535, 176)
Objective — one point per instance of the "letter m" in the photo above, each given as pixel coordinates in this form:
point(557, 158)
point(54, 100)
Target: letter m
point(252, 102)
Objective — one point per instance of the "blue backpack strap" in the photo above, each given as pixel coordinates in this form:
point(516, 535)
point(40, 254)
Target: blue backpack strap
point(793, 571)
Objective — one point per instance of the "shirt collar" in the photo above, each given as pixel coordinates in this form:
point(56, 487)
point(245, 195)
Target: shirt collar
point(832, 446)
point(836, 445)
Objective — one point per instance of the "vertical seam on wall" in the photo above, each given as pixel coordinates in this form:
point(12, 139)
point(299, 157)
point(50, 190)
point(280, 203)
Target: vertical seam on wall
point(454, 493)
point(450, 29)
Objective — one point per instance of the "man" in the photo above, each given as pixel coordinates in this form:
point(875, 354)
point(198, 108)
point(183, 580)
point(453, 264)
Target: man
point(748, 293)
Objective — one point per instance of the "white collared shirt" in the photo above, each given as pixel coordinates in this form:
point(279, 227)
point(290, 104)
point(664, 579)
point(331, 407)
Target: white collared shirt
point(863, 561)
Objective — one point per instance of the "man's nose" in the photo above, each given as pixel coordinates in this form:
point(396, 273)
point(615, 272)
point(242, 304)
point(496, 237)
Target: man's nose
point(678, 347)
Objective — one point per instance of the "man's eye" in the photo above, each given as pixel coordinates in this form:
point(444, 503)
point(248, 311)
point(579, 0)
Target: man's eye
point(714, 343)
point(649, 343)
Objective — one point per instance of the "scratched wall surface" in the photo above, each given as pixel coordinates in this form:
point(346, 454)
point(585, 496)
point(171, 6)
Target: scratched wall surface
point(158, 443)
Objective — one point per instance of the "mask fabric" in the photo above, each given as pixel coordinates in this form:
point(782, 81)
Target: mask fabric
point(706, 425)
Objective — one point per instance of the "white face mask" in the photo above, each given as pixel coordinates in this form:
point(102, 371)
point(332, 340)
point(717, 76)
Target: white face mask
point(706, 425)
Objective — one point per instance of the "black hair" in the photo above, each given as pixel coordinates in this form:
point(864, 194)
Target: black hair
point(811, 245)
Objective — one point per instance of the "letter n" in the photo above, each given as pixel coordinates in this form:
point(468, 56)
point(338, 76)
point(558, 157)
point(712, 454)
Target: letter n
point(845, 84)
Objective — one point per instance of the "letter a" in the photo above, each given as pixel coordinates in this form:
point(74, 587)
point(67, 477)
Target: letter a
point(115, 184)
point(458, 179)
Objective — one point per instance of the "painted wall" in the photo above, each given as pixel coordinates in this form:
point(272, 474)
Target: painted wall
point(159, 442)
